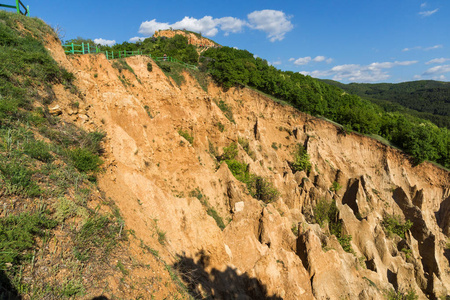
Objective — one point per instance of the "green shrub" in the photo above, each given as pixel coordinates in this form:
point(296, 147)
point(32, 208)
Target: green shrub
point(262, 189)
point(18, 179)
point(18, 235)
point(187, 136)
point(335, 187)
point(149, 67)
point(38, 150)
point(230, 152)
point(402, 295)
point(325, 212)
point(220, 126)
point(246, 146)
point(84, 160)
point(226, 109)
point(393, 224)
point(98, 232)
point(301, 160)
point(213, 213)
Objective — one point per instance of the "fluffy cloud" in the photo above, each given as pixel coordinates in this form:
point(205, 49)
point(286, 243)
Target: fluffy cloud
point(275, 23)
point(357, 73)
point(305, 60)
point(104, 42)
point(275, 63)
point(422, 48)
point(428, 13)
point(437, 70)
point(136, 39)
point(437, 61)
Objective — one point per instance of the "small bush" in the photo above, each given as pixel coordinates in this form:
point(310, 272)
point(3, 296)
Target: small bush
point(84, 160)
point(18, 235)
point(393, 225)
point(226, 109)
point(38, 150)
point(99, 231)
point(149, 67)
point(262, 189)
point(220, 126)
point(187, 136)
point(402, 295)
point(230, 152)
point(246, 146)
point(335, 187)
point(301, 160)
point(18, 179)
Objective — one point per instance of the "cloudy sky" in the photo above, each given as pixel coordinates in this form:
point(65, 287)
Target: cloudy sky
point(343, 40)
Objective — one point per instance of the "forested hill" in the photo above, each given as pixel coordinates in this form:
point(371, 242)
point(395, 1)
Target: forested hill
point(427, 98)
point(416, 136)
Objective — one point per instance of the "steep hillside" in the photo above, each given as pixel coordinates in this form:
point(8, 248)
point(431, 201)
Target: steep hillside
point(317, 213)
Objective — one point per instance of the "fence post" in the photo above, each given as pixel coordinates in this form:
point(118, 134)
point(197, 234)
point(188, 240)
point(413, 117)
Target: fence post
point(89, 49)
point(82, 47)
point(17, 6)
point(73, 50)
point(28, 10)
point(112, 54)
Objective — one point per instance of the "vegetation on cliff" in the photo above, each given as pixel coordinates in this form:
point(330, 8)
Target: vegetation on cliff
point(420, 138)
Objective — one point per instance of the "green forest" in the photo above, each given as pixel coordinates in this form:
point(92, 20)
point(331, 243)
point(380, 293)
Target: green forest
point(230, 67)
point(427, 99)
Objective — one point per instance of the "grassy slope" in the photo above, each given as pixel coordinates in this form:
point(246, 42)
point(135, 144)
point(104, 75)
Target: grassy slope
point(59, 236)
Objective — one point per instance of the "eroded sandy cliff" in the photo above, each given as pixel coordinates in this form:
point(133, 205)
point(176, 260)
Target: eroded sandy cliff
point(163, 183)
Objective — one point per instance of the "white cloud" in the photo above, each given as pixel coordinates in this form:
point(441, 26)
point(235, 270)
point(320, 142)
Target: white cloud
point(357, 73)
point(273, 22)
point(434, 47)
point(149, 27)
point(422, 48)
point(437, 70)
point(104, 42)
point(423, 5)
point(305, 60)
point(136, 39)
point(319, 58)
point(302, 61)
point(275, 63)
point(428, 13)
point(438, 61)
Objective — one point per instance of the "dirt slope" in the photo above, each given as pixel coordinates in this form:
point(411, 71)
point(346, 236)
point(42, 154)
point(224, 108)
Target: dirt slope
point(164, 186)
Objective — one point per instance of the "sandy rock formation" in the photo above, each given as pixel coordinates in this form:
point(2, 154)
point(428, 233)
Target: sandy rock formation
point(163, 183)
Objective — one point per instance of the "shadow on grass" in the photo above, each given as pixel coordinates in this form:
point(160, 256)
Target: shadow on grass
point(226, 284)
point(7, 291)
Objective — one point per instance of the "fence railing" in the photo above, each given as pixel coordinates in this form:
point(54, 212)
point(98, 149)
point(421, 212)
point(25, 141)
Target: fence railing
point(17, 7)
point(86, 48)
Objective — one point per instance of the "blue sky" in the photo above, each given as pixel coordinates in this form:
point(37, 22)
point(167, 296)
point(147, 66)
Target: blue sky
point(344, 40)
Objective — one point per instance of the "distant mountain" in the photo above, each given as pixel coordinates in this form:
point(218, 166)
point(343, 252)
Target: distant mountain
point(427, 99)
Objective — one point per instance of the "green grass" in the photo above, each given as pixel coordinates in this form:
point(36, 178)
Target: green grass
point(186, 135)
point(19, 233)
point(226, 109)
point(211, 211)
point(301, 160)
point(402, 295)
point(393, 225)
point(328, 213)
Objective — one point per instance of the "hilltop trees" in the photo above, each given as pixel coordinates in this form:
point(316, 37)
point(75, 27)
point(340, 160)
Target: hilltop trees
point(420, 138)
